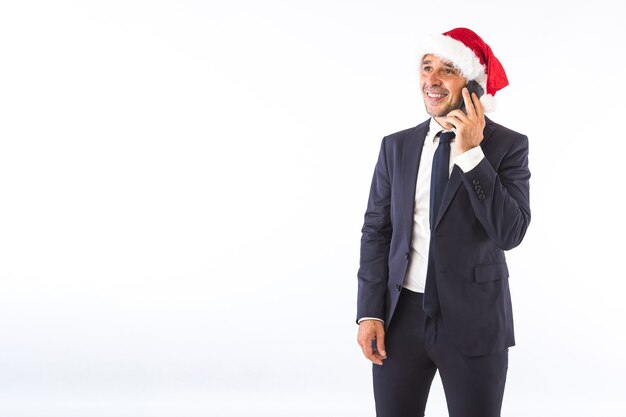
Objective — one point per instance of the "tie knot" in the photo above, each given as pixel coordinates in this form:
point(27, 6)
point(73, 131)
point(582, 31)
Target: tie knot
point(446, 137)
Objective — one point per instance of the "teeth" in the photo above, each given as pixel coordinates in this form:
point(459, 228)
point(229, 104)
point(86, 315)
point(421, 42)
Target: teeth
point(436, 95)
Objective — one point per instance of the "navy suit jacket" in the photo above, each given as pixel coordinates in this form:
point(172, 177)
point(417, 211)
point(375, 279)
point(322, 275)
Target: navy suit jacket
point(484, 212)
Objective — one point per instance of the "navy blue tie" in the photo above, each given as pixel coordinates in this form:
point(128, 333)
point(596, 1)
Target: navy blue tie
point(440, 174)
point(438, 182)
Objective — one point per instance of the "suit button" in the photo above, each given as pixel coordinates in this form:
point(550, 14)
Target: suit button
point(481, 197)
point(475, 181)
point(477, 187)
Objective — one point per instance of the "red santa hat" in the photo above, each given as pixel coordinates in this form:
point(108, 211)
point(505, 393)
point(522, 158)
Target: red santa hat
point(468, 52)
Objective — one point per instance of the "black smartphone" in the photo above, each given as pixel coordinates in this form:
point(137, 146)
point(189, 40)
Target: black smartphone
point(472, 87)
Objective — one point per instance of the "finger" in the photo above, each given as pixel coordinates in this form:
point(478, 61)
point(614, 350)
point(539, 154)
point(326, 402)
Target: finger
point(469, 103)
point(371, 354)
point(480, 111)
point(453, 120)
point(368, 349)
point(458, 114)
point(378, 360)
point(380, 344)
point(377, 357)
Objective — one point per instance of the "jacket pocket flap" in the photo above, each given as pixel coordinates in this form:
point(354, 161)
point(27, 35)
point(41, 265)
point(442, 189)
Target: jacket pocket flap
point(492, 272)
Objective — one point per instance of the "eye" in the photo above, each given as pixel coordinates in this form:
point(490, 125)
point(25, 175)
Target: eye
point(426, 68)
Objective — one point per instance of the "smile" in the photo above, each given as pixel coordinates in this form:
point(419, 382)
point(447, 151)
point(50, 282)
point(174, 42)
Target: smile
point(436, 95)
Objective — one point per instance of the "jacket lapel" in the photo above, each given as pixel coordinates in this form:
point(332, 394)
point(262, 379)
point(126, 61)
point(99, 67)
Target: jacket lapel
point(411, 154)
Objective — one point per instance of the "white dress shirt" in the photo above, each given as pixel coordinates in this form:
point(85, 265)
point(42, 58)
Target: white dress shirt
point(420, 240)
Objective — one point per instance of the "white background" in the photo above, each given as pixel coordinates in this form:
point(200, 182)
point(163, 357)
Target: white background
point(182, 186)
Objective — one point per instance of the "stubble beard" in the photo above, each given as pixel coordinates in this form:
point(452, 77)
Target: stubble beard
point(444, 111)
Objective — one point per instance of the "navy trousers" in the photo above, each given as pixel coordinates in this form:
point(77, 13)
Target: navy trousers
point(417, 346)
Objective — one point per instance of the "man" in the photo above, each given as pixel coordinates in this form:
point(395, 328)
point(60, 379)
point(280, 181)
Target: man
point(433, 279)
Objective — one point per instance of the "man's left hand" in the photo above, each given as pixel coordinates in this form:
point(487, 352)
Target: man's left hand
point(469, 127)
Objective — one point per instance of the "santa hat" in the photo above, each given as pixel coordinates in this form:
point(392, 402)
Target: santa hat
point(468, 52)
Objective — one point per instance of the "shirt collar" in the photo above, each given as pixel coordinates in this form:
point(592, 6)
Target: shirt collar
point(433, 129)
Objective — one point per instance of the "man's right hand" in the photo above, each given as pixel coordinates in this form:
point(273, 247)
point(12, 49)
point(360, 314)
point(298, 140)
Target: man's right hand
point(372, 330)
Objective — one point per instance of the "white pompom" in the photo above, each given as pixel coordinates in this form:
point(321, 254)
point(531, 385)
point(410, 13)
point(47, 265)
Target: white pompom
point(489, 103)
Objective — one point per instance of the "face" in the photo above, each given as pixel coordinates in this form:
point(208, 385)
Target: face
point(441, 83)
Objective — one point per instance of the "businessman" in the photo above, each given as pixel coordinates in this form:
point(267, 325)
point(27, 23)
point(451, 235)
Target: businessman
point(448, 197)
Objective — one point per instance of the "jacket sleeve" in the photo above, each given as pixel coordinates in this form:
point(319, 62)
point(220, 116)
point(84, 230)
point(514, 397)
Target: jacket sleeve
point(499, 194)
point(375, 243)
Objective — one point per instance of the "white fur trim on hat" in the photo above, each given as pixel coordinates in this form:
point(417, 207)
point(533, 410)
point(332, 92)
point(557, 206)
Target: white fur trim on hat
point(489, 103)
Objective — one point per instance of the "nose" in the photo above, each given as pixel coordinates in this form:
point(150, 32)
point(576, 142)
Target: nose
point(432, 79)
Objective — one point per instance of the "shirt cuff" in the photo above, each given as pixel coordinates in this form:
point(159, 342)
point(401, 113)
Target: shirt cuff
point(468, 160)
point(369, 318)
